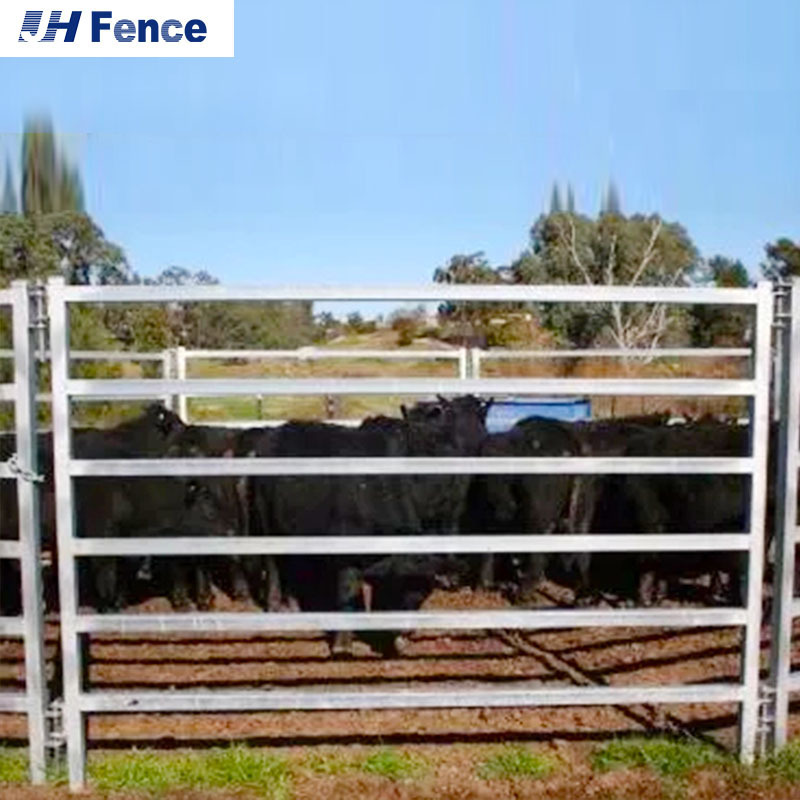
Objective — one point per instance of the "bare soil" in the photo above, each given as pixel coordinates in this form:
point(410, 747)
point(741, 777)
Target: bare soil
point(618, 656)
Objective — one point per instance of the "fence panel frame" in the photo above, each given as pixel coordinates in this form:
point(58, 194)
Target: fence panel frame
point(78, 703)
point(782, 680)
point(29, 626)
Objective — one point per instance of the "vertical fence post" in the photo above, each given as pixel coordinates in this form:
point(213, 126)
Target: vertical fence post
point(29, 532)
point(65, 523)
point(180, 370)
point(759, 443)
point(476, 362)
point(788, 400)
point(166, 373)
point(463, 368)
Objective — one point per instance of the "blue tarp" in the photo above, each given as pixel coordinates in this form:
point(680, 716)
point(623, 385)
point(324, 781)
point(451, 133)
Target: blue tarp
point(503, 414)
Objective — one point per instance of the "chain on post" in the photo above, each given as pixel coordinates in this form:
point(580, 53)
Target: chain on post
point(39, 319)
point(766, 720)
point(19, 472)
point(56, 741)
point(781, 291)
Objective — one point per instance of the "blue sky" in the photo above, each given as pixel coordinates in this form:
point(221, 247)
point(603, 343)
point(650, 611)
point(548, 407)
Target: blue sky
point(369, 141)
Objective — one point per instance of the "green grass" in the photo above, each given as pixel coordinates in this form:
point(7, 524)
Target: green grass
point(515, 762)
point(674, 758)
point(393, 764)
point(327, 764)
point(13, 765)
point(221, 768)
point(784, 766)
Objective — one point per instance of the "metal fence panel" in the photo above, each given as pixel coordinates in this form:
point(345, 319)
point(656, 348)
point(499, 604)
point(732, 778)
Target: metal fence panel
point(23, 468)
point(74, 625)
point(785, 607)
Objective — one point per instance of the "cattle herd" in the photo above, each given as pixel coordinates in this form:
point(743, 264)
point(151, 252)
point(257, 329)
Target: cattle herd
point(380, 505)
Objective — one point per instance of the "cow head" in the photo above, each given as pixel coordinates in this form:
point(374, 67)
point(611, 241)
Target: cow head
point(166, 422)
point(220, 502)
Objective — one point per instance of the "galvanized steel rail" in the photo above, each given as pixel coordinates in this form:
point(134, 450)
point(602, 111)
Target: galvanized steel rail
point(26, 549)
point(785, 608)
point(78, 701)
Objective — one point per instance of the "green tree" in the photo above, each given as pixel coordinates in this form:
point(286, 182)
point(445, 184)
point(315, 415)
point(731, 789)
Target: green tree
point(470, 319)
point(49, 182)
point(570, 199)
point(555, 200)
point(209, 325)
point(722, 326)
point(611, 203)
point(8, 201)
point(783, 259)
point(610, 250)
point(67, 244)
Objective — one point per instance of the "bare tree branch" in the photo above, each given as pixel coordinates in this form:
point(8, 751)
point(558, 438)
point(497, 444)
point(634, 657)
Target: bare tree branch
point(572, 244)
point(649, 253)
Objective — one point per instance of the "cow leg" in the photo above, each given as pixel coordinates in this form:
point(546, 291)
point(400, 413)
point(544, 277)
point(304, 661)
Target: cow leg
point(179, 595)
point(204, 597)
point(647, 586)
point(349, 593)
point(536, 564)
point(145, 571)
point(238, 576)
point(106, 584)
point(535, 571)
point(584, 594)
point(486, 576)
point(274, 593)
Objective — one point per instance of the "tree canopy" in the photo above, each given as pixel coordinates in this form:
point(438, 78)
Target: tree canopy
point(608, 250)
point(783, 259)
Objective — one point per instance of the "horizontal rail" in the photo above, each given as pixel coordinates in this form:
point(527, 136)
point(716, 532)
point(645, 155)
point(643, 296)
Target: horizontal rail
point(271, 423)
point(13, 703)
point(378, 545)
point(314, 353)
point(120, 355)
point(11, 626)
point(221, 387)
point(10, 549)
point(403, 697)
point(433, 292)
point(615, 352)
point(99, 355)
point(47, 397)
point(539, 619)
point(171, 467)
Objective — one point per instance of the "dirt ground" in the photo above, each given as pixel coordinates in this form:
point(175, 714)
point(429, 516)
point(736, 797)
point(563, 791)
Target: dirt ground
point(427, 659)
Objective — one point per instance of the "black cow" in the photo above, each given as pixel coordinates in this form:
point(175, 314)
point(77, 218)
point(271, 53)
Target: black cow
point(110, 507)
point(230, 497)
point(365, 505)
point(673, 504)
point(537, 504)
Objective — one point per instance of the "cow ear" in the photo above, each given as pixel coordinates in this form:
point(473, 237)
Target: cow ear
point(404, 411)
point(443, 400)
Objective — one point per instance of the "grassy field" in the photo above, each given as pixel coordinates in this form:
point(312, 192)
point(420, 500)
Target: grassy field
point(357, 407)
point(625, 768)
